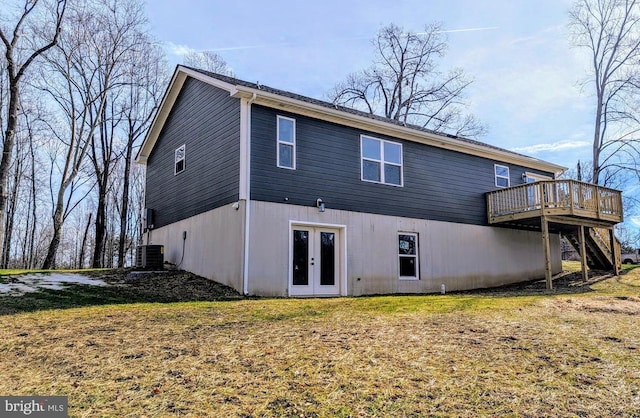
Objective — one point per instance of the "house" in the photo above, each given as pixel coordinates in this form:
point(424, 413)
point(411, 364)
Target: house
point(278, 194)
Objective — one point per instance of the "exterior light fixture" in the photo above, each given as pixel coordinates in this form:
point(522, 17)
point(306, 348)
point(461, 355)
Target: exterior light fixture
point(320, 205)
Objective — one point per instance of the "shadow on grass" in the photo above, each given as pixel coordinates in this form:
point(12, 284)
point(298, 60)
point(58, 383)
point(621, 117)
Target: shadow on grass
point(563, 284)
point(123, 286)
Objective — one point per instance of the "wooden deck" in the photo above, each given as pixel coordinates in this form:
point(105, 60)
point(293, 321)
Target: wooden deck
point(569, 199)
point(582, 211)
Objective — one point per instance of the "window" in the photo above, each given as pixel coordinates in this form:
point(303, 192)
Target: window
point(381, 161)
point(179, 160)
point(408, 256)
point(286, 132)
point(502, 175)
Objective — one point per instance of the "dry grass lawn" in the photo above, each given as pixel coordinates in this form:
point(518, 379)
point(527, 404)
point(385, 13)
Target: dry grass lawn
point(453, 355)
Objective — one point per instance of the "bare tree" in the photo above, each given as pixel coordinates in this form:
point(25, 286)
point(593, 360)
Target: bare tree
point(3, 96)
point(121, 18)
point(141, 98)
point(103, 156)
point(129, 56)
point(13, 189)
point(610, 31)
point(79, 78)
point(405, 84)
point(21, 219)
point(209, 61)
point(32, 216)
point(83, 246)
point(17, 46)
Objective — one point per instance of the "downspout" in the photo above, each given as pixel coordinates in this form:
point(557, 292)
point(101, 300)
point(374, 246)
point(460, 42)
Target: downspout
point(143, 215)
point(247, 206)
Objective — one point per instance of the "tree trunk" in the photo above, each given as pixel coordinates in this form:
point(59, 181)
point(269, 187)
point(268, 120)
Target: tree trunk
point(101, 224)
point(7, 152)
point(101, 165)
point(8, 227)
point(25, 239)
point(84, 242)
point(597, 137)
point(108, 252)
point(125, 204)
point(50, 259)
point(11, 215)
point(34, 206)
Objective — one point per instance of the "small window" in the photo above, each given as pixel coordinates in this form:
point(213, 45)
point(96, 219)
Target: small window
point(179, 160)
point(502, 175)
point(408, 256)
point(381, 161)
point(286, 133)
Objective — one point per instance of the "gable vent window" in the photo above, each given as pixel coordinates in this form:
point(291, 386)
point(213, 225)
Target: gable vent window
point(179, 160)
point(286, 132)
point(502, 175)
point(381, 161)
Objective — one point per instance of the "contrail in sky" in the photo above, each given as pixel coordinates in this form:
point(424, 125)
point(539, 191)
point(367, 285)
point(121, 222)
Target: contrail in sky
point(463, 30)
point(237, 48)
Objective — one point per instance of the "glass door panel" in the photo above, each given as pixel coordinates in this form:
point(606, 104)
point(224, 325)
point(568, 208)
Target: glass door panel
point(300, 267)
point(327, 258)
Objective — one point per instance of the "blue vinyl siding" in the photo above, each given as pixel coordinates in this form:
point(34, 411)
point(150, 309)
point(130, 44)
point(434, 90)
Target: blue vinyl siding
point(439, 184)
point(207, 121)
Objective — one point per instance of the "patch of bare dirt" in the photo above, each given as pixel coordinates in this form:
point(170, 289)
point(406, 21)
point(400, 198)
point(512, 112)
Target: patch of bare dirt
point(179, 285)
point(625, 305)
point(563, 283)
point(166, 285)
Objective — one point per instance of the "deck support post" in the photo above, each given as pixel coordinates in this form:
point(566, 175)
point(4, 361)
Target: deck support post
point(583, 252)
point(614, 253)
point(546, 247)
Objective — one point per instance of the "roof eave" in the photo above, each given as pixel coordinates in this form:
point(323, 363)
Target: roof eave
point(293, 105)
point(171, 94)
point(338, 116)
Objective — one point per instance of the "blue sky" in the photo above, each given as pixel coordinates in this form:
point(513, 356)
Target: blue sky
point(529, 83)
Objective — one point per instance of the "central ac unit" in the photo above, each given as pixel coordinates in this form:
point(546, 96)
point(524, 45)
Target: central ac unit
point(150, 257)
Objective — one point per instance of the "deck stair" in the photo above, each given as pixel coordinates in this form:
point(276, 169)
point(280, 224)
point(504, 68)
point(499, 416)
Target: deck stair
point(597, 248)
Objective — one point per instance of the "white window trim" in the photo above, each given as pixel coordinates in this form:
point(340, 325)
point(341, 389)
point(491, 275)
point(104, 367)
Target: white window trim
point(183, 159)
point(496, 176)
point(416, 256)
point(382, 162)
point(292, 145)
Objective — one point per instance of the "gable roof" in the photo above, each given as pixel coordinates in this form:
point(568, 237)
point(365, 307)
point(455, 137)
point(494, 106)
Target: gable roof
point(295, 103)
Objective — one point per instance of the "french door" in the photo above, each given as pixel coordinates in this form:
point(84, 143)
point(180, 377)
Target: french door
point(315, 261)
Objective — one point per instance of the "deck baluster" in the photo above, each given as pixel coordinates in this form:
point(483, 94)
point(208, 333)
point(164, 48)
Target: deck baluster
point(555, 198)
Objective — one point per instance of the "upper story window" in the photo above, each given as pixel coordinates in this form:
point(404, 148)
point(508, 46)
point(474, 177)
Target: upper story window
point(381, 161)
point(179, 160)
point(286, 133)
point(502, 175)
